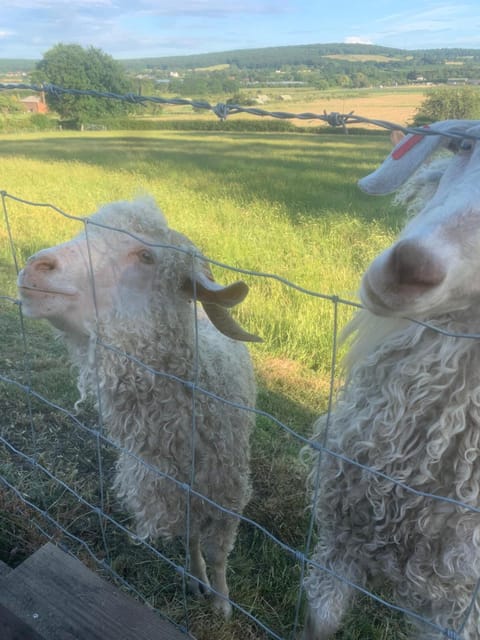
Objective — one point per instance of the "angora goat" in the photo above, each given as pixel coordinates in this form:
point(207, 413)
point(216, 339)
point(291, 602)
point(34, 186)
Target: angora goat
point(123, 302)
point(410, 411)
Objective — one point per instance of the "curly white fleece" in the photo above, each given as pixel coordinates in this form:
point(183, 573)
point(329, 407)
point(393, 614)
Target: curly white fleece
point(164, 422)
point(409, 409)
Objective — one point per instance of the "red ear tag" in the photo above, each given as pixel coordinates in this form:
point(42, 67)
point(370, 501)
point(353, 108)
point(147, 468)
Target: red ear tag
point(407, 145)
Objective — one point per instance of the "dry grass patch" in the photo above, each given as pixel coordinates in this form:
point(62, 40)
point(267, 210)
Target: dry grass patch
point(397, 105)
point(359, 57)
point(294, 380)
point(394, 105)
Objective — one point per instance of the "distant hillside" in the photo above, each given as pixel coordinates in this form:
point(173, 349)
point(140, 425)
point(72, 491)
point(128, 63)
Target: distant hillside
point(8, 65)
point(319, 66)
point(312, 55)
point(268, 57)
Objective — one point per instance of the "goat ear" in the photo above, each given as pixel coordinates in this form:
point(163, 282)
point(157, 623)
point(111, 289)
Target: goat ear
point(216, 299)
point(407, 156)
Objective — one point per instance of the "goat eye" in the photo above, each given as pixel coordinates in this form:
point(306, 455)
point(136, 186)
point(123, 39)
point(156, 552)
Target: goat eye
point(145, 256)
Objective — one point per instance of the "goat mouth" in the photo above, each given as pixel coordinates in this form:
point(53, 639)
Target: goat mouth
point(373, 301)
point(53, 292)
point(410, 301)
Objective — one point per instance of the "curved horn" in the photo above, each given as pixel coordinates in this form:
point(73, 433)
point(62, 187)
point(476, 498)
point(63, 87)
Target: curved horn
point(407, 157)
point(215, 300)
point(207, 290)
point(224, 322)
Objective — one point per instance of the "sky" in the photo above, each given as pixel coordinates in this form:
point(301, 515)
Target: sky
point(154, 28)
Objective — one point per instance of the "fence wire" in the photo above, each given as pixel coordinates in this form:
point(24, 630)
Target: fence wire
point(33, 462)
point(222, 110)
point(24, 458)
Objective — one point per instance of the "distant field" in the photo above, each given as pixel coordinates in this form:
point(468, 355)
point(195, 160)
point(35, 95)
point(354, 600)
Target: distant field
point(397, 105)
point(394, 105)
point(214, 67)
point(358, 57)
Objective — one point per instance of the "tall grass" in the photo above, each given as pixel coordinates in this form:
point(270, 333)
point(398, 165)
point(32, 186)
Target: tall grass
point(280, 204)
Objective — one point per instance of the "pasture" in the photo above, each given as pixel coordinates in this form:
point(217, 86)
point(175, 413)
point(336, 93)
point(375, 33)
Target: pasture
point(397, 105)
point(283, 205)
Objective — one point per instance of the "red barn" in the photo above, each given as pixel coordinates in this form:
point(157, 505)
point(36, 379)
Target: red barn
point(34, 104)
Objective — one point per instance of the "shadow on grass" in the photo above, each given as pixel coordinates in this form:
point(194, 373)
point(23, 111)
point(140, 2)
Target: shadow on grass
point(304, 174)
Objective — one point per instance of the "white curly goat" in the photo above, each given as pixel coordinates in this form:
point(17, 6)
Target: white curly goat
point(410, 410)
point(122, 300)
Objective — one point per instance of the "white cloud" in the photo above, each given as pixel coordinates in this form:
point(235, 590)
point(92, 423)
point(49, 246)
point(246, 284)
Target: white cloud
point(130, 28)
point(213, 8)
point(435, 22)
point(357, 40)
point(58, 4)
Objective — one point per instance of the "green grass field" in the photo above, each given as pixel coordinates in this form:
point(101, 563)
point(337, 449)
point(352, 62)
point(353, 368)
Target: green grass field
point(280, 204)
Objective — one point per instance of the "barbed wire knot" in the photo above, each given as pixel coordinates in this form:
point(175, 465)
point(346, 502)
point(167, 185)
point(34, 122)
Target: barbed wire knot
point(51, 88)
point(133, 97)
point(221, 110)
point(336, 119)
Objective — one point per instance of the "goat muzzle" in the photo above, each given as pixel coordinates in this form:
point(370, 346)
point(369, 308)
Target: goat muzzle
point(412, 266)
point(396, 282)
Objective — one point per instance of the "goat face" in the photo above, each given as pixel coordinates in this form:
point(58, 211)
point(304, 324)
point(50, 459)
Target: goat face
point(77, 282)
point(106, 274)
point(432, 268)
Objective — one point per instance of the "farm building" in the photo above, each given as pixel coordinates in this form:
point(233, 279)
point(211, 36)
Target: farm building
point(34, 104)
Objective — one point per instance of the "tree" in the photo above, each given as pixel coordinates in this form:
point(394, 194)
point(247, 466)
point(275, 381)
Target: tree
point(359, 79)
point(9, 104)
point(445, 103)
point(203, 83)
point(72, 67)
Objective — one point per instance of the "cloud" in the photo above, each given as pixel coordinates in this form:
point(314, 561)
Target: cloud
point(131, 28)
point(211, 8)
point(434, 22)
point(357, 40)
point(59, 4)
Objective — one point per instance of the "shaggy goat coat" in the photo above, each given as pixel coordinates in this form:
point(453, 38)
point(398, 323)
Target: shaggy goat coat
point(149, 353)
point(411, 411)
point(408, 417)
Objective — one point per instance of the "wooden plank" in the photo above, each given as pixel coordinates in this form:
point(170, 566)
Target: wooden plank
point(61, 598)
point(12, 628)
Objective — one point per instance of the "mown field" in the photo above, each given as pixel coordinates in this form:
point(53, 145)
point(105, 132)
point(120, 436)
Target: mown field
point(283, 205)
point(397, 105)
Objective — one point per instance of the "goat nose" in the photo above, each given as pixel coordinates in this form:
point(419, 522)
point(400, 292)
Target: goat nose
point(414, 265)
point(43, 262)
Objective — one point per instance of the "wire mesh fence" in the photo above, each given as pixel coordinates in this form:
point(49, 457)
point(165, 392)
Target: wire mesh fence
point(78, 476)
point(58, 464)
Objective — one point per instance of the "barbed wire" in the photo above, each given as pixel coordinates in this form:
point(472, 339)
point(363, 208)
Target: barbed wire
point(222, 110)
